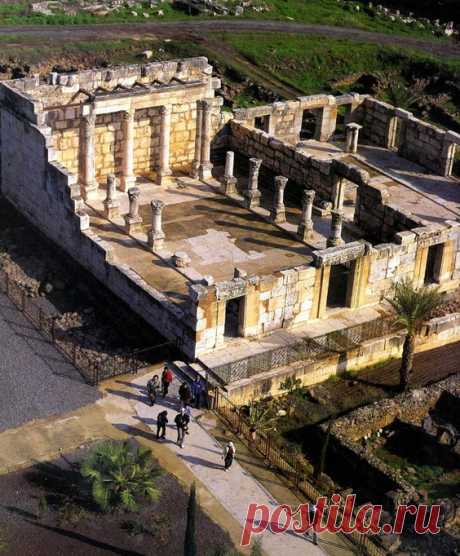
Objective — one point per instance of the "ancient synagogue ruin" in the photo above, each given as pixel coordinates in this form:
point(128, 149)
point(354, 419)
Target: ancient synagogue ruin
point(221, 228)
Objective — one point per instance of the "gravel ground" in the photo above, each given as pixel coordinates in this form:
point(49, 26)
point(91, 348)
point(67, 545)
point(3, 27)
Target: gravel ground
point(35, 379)
point(62, 528)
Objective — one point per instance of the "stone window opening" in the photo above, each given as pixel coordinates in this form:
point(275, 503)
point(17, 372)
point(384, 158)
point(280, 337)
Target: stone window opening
point(234, 312)
point(262, 123)
point(309, 124)
point(340, 282)
point(433, 264)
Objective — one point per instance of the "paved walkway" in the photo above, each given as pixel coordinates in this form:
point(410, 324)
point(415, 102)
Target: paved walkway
point(236, 489)
point(36, 380)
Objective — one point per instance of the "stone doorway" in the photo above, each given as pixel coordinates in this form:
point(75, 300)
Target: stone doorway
point(338, 290)
point(433, 264)
point(234, 317)
point(308, 128)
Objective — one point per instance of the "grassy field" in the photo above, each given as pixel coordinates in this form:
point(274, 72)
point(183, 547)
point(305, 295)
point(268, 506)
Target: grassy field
point(315, 65)
point(324, 12)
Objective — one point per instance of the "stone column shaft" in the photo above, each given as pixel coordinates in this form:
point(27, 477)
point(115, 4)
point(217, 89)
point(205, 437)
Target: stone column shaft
point(206, 166)
point(352, 137)
point(278, 212)
point(335, 236)
point(111, 204)
point(229, 181)
point(128, 179)
point(133, 222)
point(156, 235)
point(338, 193)
point(196, 164)
point(164, 171)
point(88, 157)
point(305, 228)
point(252, 193)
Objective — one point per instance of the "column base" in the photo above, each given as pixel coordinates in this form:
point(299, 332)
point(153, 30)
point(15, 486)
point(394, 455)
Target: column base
point(156, 240)
point(90, 192)
point(163, 177)
point(228, 185)
point(126, 182)
point(252, 198)
point(195, 170)
point(133, 225)
point(205, 171)
point(305, 231)
point(111, 209)
point(334, 242)
point(278, 215)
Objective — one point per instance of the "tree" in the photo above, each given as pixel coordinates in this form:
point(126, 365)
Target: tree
point(120, 475)
point(190, 540)
point(412, 306)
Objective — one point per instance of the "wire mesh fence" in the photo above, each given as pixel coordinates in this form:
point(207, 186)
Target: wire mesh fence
point(281, 456)
point(93, 367)
point(307, 349)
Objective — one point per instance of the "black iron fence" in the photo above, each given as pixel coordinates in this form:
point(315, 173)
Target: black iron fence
point(94, 367)
point(290, 463)
point(307, 349)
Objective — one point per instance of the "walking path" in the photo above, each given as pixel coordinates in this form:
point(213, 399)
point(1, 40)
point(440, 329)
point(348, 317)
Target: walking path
point(236, 489)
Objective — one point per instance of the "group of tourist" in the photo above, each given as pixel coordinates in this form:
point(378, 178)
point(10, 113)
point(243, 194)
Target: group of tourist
point(195, 394)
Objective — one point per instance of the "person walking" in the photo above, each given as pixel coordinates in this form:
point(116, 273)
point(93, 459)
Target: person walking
point(229, 455)
point(162, 420)
point(166, 379)
point(197, 391)
point(153, 385)
point(182, 421)
point(185, 394)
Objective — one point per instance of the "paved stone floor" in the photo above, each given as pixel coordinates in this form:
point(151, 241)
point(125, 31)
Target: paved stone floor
point(35, 379)
point(234, 489)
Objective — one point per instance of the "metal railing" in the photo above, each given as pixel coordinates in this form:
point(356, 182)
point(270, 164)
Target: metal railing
point(94, 367)
point(307, 349)
point(287, 461)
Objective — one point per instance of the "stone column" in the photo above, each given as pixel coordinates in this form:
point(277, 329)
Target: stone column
point(352, 137)
point(111, 204)
point(450, 145)
point(196, 164)
point(229, 181)
point(88, 158)
point(128, 179)
point(156, 235)
point(305, 228)
point(278, 212)
point(252, 193)
point(164, 171)
point(338, 192)
point(206, 166)
point(133, 222)
point(335, 236)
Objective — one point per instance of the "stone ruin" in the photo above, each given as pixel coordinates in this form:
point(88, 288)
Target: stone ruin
point(214, 225)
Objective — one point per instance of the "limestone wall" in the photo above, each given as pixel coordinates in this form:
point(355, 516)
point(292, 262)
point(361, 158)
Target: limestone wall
point(390, 127)
point(284, 159)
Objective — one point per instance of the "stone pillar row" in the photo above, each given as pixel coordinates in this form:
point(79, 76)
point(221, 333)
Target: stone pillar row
point(305, 228)
point(335, 236)
point(201, 165)
point(127, 178)
point(278, 212)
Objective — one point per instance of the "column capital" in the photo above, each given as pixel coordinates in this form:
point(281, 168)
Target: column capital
point(308, 195)
point(157, 206)
point(255, 164)
point(133, 193)
point(128, 115)
point(165, 109)
point(281, 182)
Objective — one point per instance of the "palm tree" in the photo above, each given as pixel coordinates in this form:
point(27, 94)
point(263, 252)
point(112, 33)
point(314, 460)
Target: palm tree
point(412, 306)
point(121, 475)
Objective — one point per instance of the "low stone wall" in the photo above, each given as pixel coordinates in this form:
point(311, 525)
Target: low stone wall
point(437, 332)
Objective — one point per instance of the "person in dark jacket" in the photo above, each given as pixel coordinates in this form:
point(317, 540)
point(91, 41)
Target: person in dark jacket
point(182, 421)
point(185, 394)
point(197, 391)
point(153, 385)
point(162, 420)
point(229, 455)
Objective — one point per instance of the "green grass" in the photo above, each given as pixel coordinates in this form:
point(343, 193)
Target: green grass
point(323, 12)
point(315, 65)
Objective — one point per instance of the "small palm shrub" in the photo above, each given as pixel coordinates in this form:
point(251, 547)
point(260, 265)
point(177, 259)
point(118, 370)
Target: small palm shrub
point(121, 475)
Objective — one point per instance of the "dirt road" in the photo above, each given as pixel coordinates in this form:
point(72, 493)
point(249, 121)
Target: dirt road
point(178, 28)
